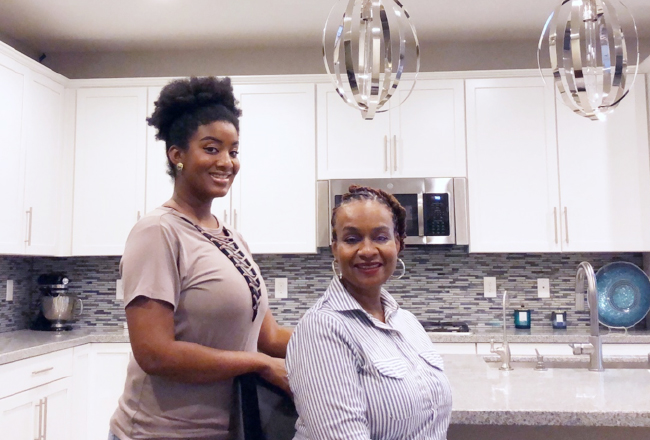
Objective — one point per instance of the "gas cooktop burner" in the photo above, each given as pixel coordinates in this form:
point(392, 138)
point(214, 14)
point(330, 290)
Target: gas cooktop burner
point(445, 326)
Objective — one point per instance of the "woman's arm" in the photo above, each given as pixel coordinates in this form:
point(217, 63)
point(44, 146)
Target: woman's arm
point(151, 331)
point(273, 338)
point(325, 382)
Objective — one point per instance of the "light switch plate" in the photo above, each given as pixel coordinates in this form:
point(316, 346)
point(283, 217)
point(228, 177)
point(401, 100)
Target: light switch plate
point(489, 287)
point(543, 288)
point(119, 290)
point(281, 290)
point(10, 290)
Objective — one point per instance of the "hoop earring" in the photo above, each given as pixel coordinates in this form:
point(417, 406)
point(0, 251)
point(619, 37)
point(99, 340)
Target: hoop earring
point(179, 166)
point(338, 275)
point(392, 277)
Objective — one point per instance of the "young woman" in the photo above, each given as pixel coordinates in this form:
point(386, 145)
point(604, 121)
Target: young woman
point(360, 367)
point(196, 304)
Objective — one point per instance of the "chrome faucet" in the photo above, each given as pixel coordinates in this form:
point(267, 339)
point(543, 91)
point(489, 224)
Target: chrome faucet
point(595, 347)
point(504, 349)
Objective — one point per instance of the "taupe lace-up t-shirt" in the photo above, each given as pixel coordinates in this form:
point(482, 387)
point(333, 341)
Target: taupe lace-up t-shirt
point(167, 259)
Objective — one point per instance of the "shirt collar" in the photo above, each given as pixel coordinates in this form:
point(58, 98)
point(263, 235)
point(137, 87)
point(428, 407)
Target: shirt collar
point(340, 299)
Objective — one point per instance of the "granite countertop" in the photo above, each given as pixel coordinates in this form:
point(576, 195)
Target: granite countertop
point(24, 344)
point(543, 335)
point(483, 395)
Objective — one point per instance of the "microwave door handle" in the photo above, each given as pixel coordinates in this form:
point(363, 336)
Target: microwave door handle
point(420, 215)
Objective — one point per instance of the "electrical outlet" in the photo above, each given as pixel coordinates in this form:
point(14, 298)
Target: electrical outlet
point(10, 290)
point(489, 287)
point(119, 290)
point(281, 290)
point(543, 288)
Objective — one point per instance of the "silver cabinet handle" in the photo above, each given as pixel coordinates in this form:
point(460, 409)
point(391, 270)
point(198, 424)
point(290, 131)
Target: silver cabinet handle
point(30, 214)
point(38, 420)
point(234, 218)
point(44, 370)
point(225, 216)
point(44, 435)
point(555, 220)
point(386, 156)
point(394, 152)
point(566, 223)
point(138, 216)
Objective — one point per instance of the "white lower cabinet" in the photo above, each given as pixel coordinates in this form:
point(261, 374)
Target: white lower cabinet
point(98, 382)
point(35, 397)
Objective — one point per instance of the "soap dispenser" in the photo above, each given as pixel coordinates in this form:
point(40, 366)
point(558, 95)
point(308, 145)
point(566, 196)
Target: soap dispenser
point(522, 317)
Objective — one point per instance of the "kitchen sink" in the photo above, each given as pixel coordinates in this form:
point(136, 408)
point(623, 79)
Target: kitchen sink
point(577, 364)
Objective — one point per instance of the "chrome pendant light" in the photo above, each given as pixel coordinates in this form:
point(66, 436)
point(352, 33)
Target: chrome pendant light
point(368, 51)
point(590, 55)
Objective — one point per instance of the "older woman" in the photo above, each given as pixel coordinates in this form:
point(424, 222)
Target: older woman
point(360, 367)
point(196, 304)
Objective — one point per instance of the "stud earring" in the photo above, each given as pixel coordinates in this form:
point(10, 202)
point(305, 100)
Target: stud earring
point(179, 166)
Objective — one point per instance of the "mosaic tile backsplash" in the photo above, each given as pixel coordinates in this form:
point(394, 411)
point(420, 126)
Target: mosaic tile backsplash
point(441, 284)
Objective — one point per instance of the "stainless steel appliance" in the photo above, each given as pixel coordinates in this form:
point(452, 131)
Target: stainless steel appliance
point(436, 208)
point(57, 306)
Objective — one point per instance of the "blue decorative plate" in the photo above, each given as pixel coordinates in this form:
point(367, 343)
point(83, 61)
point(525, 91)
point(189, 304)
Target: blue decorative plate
point(623, 294)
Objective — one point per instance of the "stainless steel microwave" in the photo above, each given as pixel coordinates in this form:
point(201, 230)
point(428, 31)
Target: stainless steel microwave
point(436, 208)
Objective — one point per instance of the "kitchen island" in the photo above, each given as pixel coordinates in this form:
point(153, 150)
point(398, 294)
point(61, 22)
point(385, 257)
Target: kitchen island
point(485, 399)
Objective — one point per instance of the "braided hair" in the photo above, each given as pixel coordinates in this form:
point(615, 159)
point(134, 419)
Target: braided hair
point(186, 104)
point(356, 192)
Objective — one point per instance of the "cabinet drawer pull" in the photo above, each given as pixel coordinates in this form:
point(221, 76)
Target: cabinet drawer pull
point(225, 216)
point(234, 218)
point(566, 223)
point(44, 435)
point(394, 152)
point(555, 220)
point(386, 157)
point(30, 214)
point(44, 370)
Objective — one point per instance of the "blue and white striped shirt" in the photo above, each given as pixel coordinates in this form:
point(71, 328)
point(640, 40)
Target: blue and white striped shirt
point(354, 377)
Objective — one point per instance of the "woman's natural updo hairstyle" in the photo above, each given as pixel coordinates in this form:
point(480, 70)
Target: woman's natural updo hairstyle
point(356, 193)
point(186, 104)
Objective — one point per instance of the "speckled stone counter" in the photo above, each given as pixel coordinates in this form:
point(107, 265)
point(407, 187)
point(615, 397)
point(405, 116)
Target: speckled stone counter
point(23, 344)
point(484, 395)
point(543, 335)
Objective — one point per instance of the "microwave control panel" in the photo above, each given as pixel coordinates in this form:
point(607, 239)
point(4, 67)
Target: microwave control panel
point(436, 214)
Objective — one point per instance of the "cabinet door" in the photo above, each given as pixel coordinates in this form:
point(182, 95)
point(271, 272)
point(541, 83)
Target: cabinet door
point(605, 178)
point(44, 165)
point(12, 217)
point(428, 129)
point(39, 413)
point(277, 178)
point(350, 147)
point(109, 168)
point(109, 362)
point(512, 166)
point(20, 416)
point(160, 185)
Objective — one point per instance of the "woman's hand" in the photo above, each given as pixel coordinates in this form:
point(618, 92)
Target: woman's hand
point(275, 373)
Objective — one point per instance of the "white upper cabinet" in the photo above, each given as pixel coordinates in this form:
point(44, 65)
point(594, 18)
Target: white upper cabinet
point(13, 78)
point(109, 170)
point(275, 205)
point(44, 165)
point(349, 146)
point(424, 137)
point(605, 178)
point(512, 166)
point(31, 119)
point(428, 130)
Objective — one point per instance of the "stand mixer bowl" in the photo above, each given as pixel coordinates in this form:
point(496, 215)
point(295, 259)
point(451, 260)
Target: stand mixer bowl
point(60, 309)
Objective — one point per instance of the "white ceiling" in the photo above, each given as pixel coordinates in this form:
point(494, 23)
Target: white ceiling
point(136, 25)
